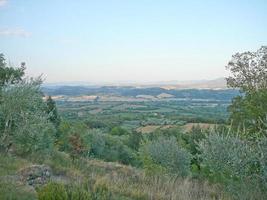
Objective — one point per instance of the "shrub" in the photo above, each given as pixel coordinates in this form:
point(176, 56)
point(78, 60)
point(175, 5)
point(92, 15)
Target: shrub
point(166, 153)
point(24, 125)
point(58, 191)
point(76, 145)
point(235, 163)
point(110, 148)
point(134, 140)
point(77, 192)
point(117, 130)
point(228, 156)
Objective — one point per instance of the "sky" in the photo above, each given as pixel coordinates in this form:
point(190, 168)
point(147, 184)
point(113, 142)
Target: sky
point(129, 40)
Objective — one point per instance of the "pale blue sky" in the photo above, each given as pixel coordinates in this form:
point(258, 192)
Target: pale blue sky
point(129, 40)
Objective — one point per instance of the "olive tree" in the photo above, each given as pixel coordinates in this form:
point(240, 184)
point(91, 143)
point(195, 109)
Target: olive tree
point(166, 155)
point(238, 164)
point(24, 122)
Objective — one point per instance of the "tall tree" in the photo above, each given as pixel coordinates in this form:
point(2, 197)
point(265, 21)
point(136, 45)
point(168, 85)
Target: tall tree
point(52, 111)
point(248, 111)
point(248, 70)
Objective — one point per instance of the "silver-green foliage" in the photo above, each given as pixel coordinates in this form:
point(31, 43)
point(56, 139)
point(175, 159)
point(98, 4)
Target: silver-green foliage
point(166, 153)
point(240, 165)
point(24, 123)
point(227, 155)
point(263, 160)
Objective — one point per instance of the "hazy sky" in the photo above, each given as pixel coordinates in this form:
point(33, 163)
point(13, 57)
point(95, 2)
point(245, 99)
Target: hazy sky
point(129, 40)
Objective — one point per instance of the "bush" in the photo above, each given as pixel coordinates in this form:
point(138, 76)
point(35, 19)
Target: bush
point(235, 163)
point(134, 140)
point(77, 192)
point(24, 125)
point(166, 154)
point(118, 131)
point(58, 191)
point(110, 148)
point(228, 156)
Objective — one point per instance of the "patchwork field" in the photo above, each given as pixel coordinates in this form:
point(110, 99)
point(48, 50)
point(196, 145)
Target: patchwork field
point(145, 116)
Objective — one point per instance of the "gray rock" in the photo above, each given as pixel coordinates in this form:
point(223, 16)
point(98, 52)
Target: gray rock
point(35, 175)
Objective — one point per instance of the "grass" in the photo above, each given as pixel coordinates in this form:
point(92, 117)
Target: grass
point(188, 127)
point(122, 182)
point(10, 187)
point(9, 165)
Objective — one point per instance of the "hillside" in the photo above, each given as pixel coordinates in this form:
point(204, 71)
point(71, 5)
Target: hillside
point(106, 180)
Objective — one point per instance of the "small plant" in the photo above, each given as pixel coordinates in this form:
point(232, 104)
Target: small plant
point(53, 191)
point(101, 191)
point(58, 191)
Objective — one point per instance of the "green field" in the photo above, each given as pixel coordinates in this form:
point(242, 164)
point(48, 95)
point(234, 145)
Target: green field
point(131, 115)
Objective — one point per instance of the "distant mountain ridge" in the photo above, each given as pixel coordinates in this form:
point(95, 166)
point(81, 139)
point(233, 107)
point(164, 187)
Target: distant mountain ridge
point(219, 83)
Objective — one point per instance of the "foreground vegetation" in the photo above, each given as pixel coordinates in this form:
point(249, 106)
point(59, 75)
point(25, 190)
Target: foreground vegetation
point(47, 156)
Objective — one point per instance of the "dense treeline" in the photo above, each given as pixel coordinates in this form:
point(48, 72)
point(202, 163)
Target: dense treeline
point(234, 157)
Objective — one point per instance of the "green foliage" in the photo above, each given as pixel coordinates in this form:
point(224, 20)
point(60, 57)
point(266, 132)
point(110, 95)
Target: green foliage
point(248, 113)
point(134, 140)
point(262, 156)
point(53, 191)
point(77, 192)
point(195, 135)
point(118, 131)
point(52, 111)
point(101, 191)
point(166, 153)
point(227, 155)
point(192, 139)
point(58, 191)
point(237, 164)
point(10, 75)
point(23, 121)
point(12, 191)
point(73, 136)
point(248, 70)
point(110, 148)
point(96, 124)
point(249, 73)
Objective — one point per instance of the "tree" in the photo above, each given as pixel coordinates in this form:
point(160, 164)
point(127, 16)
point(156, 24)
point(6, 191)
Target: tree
point(117, 130)
point(249, 70)
point(52, 111)
point(134, 140)
point(9, 74)
point(238, 164)
point(77, 145)
point(248, 111)
point(165, 154)
point(23, 122)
